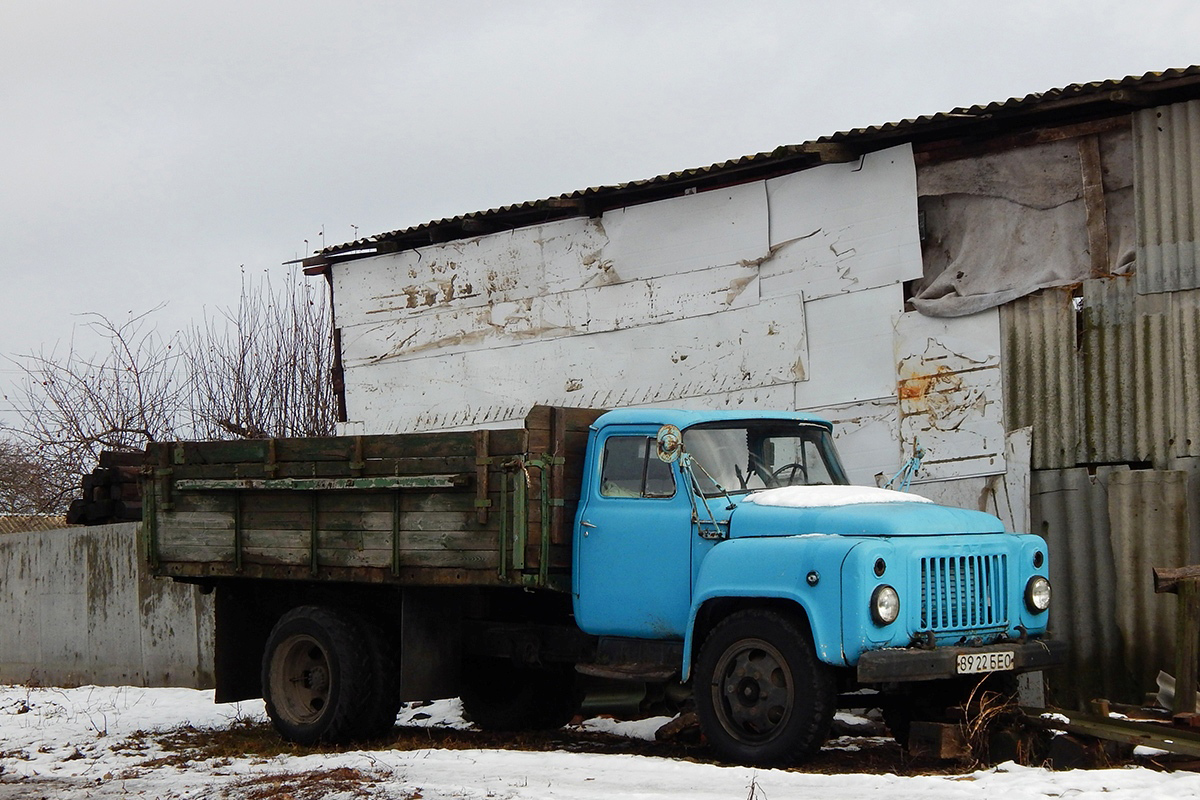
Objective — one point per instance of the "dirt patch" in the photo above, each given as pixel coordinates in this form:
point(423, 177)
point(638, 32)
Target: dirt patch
point(258, 740)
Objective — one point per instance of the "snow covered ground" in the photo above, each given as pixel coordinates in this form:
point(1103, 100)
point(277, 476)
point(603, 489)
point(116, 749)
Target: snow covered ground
point(88, 743)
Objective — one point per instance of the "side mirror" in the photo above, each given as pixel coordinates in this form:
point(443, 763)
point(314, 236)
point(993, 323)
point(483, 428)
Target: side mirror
point(670, 443)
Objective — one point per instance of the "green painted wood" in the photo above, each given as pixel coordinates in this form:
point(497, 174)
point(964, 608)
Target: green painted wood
point(324, 484)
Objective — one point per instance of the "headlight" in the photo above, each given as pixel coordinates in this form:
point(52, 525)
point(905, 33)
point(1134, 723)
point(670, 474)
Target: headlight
point(1037, 594)
point(885, 605)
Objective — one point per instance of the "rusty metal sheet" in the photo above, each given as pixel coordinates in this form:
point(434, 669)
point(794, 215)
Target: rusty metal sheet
point(948, 383)
point(844, 227)
point(1167, 197)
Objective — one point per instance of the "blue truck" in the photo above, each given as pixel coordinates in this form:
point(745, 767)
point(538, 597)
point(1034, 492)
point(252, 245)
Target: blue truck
point(715, 559)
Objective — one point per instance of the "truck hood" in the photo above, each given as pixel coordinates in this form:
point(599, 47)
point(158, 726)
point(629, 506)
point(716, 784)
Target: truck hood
point(851, 511)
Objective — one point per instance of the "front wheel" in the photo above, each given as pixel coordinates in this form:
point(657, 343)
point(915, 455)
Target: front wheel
point(762, 695)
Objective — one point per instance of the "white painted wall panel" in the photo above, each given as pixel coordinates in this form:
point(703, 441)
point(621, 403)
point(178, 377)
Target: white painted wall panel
point(867, 437)
point(850, 347)
point(400, 335)
point(844, 227)
point(1006, 495)
point(761, 345)
point(684, 234)
point(470, 273)
point(948, 379)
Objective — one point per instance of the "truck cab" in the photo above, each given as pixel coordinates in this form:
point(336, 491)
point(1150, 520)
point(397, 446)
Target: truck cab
point(736, 540)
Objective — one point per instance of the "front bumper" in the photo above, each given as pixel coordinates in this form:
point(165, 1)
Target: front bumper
point(900, 664)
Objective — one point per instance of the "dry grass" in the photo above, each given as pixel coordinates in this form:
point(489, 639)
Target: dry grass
point(311, 785)
point(259, 741)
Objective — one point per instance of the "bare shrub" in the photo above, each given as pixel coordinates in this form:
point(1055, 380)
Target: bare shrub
point(257, 369)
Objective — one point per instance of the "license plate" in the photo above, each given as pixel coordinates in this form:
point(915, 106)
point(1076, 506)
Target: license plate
point(998, 661)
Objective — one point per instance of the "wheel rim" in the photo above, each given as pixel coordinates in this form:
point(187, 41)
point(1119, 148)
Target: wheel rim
point(753, 691)
point(301, 680)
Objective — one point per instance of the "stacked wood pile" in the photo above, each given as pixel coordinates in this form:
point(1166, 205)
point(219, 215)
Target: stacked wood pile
point(112, 492)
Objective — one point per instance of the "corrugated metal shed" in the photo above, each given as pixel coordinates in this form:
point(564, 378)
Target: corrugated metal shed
point(1070, 509)
point(1167, 183)
point(1106, 531)
point(1041, 374)
point(1074, 103)
point(1108, 376)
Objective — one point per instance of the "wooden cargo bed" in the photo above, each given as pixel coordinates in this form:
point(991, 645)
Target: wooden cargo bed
point(481, 507)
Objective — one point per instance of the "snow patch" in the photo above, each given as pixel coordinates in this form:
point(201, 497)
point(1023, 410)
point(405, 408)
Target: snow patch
point(827, 496)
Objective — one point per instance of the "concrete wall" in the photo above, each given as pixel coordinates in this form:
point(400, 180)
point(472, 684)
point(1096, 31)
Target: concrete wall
point(77, 607)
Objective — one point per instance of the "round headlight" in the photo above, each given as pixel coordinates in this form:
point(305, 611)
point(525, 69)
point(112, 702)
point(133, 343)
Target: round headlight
point(1037, 594)
point(885, 605)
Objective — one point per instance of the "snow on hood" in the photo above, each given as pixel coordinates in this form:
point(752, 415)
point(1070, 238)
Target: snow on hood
point(827, 496)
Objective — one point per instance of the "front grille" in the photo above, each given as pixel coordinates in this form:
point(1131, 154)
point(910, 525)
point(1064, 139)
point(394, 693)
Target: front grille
point(964, 592)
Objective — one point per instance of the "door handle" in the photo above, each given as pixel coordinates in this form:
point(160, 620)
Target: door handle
point(585, 524)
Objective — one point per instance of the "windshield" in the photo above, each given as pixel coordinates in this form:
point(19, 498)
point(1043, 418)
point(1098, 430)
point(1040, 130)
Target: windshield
point(762, 454)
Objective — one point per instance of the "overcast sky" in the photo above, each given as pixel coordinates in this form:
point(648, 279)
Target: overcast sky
point(153, 149)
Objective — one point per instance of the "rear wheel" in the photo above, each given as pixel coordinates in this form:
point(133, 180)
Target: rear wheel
point(762, 695)
point(317, 676)
point(498, 695)
point(384, 705)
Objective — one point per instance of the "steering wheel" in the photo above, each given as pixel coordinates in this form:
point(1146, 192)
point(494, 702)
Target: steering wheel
point(794, 467)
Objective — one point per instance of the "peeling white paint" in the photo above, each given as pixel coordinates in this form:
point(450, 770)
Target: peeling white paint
point(740, 349)
point(844, 227)
point(689, 233)
point(948, 384)
point(632, 304)
point(867, 437)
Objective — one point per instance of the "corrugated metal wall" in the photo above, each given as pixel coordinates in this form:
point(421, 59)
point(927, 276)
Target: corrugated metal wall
point(1108, 375)
point(1070, 509)
point(1107, 529)
point(1040, 362)
point(1167, 197)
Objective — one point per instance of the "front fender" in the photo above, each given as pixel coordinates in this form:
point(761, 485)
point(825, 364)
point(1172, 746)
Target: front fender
point(777, 568)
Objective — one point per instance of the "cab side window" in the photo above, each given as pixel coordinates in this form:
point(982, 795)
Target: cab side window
point(632, 469)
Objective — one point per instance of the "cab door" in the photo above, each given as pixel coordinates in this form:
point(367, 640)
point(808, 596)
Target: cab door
point(633, 543)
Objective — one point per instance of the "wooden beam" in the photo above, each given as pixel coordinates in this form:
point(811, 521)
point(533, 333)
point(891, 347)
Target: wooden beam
point(831, 152)
point(936, 152)
point(1093, 198)
point(1166, 579)
point(1187, 621)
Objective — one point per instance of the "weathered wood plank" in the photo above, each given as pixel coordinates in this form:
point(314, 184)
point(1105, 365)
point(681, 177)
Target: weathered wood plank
point(400, 482)
point(327, 469)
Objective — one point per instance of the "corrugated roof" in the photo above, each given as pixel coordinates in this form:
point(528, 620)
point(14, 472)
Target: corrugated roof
point(1077, 102)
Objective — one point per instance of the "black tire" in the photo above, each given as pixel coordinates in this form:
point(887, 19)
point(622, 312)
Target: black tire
point(500, 696)
point(761, 694)
point(317, 676)
point(380, 716)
